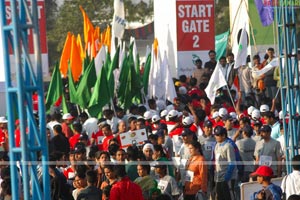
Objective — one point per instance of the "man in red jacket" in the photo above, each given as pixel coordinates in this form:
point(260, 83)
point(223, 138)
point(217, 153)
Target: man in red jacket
point(125, 188)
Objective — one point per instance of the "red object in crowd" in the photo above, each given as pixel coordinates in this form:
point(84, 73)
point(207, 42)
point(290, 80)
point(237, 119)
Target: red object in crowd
point(73, 140)
point(125, 189)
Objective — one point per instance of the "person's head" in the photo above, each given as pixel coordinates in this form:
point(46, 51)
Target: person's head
point(121, 155)
point(148, 151)
point(198, 63)
point(270, 52)
point(160, 136)
point(182, 78)
point(122, 126)
point(57, 129)
point(132, 121)
point(195, 148)
point(108, 114)
point(106, 129)
point(102, 157)
point(265, 132)
point(228, 121)
point(109, 171)
point(119, 112)
point(84, 138)
point(91, 177)
point(68, 118)
point(132, 153)
point(119, 170)
point(155, 193)
point(263, 174)
point(153, 138)
point(152, 104)
point(160, 169)
point(230, 57)
point(256, 126)
point(294, 197)
point(80, 181)
point(112, 149)
point(140, 123)
point(220, 134)
point(243, 121)
point(247, 131)
point(270, 118)
point(212, 55)
point(83, 117)
point(158, 152)
point(256, 59)
point(208, 128)
point(222, 61)
point(143, 169)
point(77, 128)
point(296, 162)
point(80, 152)
point(187, 136)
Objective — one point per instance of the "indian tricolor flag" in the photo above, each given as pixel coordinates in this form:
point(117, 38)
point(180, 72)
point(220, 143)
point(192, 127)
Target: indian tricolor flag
point(217, 80)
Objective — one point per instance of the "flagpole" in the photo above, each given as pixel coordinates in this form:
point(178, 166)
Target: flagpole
point(231, 98)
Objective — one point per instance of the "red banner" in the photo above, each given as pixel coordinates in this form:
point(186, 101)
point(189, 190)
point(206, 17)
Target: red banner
point(42, 25)
point(195, 25)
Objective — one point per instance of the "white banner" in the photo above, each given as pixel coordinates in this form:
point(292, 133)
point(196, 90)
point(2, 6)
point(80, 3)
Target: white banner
point(119, 22)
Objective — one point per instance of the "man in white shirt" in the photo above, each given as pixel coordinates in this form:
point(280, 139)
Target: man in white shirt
point(291, 182)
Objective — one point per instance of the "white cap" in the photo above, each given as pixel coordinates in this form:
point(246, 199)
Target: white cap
point(264, 108)
point(182, 90)
point(223, 112)
point(255, 114)
point(163, 113)
point(155, 118)
point(173, 113)
point(147, 115)
point(215, 115)
point(67, 116)
point(233, 115)
point(187, 121)
point(148, 146)
point(3, 120)
point(250, 110)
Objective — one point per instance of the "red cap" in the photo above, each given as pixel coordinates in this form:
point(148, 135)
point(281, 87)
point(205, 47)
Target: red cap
point(17, 122)
point(263, 171)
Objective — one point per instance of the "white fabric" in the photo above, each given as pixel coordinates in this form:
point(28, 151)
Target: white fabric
point(118, 24)
point(292, 184)
point(273, 63)
point(100, 59)
point(216, 81)
point(241, 56)
point(90, 126)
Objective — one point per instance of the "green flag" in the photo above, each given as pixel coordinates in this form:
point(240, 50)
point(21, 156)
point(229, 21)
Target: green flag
point(221, 44)
point(55, 88)
point(64, 106)
point(110, 75)
point(72, 87)
point(146, 73)
point(87, 81)
point(100, 96)
point(136, 83)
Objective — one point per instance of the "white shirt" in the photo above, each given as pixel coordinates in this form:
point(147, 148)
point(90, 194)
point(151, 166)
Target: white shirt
point(50, 125)
point(291, 183)
point(90, 126)
point(113, 124)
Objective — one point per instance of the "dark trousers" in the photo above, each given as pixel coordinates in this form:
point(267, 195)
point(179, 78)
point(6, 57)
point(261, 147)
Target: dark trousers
point(189, 197)
point(222, 191)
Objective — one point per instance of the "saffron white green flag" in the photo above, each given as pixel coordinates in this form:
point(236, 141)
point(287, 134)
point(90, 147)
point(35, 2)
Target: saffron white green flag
point(118, 24)
point(241, 56)
point(217, 80)
point(268, 67)
point(100, 59)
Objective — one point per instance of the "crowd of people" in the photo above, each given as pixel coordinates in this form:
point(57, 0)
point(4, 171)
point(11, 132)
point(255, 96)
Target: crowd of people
point(194, 150)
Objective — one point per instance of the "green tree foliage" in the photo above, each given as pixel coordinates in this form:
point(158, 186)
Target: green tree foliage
point(68, 18)
point(222, 20)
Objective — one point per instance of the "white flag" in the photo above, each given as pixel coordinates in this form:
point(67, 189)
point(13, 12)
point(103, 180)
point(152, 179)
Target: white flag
point(216, 81)
point(100, 59)
point(170, 92)
point(118, 24)
point(268, 67)
point(241, 56)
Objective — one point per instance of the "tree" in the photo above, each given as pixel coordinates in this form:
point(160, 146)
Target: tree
point(68, 18)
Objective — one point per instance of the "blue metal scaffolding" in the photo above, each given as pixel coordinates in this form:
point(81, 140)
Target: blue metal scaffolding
point(32, 155)
point(289, 70)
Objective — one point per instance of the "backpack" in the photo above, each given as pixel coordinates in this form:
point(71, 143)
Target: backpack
point(240, 165)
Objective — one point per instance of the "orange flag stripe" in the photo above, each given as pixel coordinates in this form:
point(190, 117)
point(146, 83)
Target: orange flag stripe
point(65, 55)
point(75, 60)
